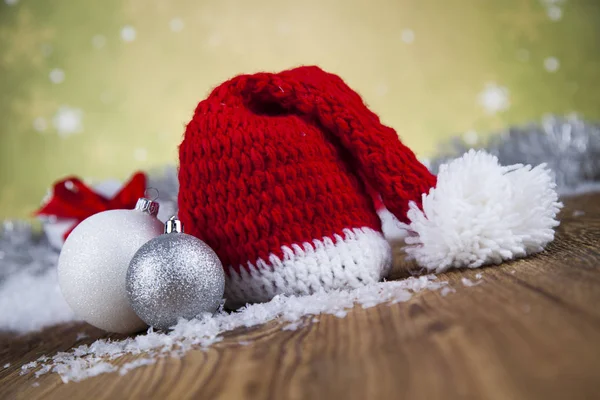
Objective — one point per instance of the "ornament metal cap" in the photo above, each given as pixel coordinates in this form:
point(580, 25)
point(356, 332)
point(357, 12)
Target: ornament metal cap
point(173, 225)
point(147, 206)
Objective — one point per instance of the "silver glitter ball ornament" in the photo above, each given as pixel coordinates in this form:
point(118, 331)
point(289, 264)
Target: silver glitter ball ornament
point(174, 276)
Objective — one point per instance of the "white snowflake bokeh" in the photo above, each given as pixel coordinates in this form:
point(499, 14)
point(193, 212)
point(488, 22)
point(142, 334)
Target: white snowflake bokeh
point(107, 96)
point(553, 9)
point(57, 75)
point(381, 89)
point(68, 121)
point(284, 28)
point(214, 40)
point(471, 137)
point(554, 13)
point(494, 98)
point(98, 41)
point(551, 64)
point(176, 25)
point(40, 124)
point(408, 36)
point(128, 33)
point(523, 55)
point(46, 49)
point(140, 154)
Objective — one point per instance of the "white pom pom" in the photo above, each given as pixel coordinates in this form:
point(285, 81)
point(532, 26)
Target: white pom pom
point(482, 213)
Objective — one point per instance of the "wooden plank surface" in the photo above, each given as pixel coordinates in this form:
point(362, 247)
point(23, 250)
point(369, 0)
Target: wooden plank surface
point(530, 330)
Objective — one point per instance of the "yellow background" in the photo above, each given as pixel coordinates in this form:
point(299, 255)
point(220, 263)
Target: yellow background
point(100, 88)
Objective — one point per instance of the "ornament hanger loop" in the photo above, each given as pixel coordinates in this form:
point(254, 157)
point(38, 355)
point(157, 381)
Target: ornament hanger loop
point(173, 225)
point(151, 190)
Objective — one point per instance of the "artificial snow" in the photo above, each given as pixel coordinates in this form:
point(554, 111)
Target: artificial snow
point(135, 364)
point(28, 367)
point(86, 361)
point(31, 301)
point(42, 371)
point(469, 283)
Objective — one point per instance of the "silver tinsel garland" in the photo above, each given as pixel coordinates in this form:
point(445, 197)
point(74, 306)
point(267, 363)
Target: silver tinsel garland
point(570, 146)
point(166, 181)
point(22, 250)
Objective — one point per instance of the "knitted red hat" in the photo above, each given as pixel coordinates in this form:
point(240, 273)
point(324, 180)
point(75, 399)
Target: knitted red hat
point(278, 174)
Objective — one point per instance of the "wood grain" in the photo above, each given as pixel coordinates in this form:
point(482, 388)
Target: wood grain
point(531, 330)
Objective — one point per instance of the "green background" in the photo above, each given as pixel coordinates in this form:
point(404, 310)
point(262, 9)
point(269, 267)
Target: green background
point(101, 88)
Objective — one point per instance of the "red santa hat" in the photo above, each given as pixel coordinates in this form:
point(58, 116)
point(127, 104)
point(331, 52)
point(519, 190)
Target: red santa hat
point(279, 172)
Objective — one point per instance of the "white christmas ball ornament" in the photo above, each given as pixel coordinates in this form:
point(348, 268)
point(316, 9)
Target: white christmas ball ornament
point(93, 265)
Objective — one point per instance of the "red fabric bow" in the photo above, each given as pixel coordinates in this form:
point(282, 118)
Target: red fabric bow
point(72, 199)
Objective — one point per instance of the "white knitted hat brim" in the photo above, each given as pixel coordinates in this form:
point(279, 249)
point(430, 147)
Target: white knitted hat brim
point(362, 256)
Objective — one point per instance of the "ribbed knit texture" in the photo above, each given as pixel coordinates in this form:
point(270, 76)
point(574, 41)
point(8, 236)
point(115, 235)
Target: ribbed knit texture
point(273, 160)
